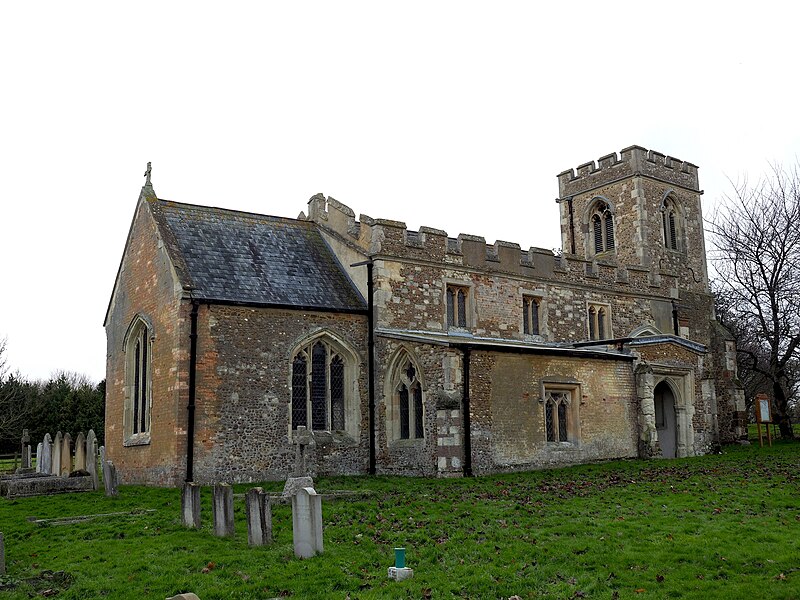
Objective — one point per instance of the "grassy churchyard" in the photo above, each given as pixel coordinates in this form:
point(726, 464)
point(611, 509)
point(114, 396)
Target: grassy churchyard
point(724, 526)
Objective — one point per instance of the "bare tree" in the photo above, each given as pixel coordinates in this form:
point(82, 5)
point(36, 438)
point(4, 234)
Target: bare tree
point(13, 405)
point(756, 239)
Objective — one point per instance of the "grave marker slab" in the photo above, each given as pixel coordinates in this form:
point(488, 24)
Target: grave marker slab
point(110, 479)
point(190, 505)
point(307, 523)
point(47, 454)
point(91, 458)
point(39, 447)
point(80, 452)
point(55, 467)
point(66, 455)
point(259, 517)
point(222, 507)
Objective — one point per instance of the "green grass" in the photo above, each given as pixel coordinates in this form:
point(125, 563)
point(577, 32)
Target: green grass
point(724, 526)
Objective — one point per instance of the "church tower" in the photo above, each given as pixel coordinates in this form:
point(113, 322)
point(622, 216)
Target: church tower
point(640, 210)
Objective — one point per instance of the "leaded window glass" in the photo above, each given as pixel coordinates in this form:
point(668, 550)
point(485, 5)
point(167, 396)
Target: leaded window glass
point(556, 415)
point(456, 305)
point(319, 388)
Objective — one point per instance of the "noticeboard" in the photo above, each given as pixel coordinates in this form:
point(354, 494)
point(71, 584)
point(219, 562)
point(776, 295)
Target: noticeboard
point(763, 409)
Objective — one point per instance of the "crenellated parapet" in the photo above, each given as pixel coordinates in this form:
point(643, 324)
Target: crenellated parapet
point(632, 161)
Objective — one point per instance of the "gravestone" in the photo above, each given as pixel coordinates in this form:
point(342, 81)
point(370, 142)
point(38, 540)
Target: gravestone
point(91, 458)
point(39, 457)
point(185, 596)
point(299, 478)
point(307, 523)
point(190, 505)
point(26, 449)
point(47, 455)
point(66, 455)
point(2, 555)
point(80, 452)
point(222, 508)
point(55, 465)
point(259, 517)
point(110, 479)
point(102, 455)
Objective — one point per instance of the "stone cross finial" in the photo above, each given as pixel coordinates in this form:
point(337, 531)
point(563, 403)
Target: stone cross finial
point(147, 173)
point(302, 438)
point(25, 436)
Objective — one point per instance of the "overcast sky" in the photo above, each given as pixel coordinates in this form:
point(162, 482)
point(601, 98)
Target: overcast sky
point(455, 115)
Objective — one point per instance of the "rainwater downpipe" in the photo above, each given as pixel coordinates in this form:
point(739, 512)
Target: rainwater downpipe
point(466, 419)
point(370, 359)
point(192, 391)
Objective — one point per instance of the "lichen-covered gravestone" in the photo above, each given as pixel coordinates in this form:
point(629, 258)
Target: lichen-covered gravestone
point(259, 517)
point(190, 505)
point(80, 452)
point(66, 455)
point(55, 467)
point(222, 509)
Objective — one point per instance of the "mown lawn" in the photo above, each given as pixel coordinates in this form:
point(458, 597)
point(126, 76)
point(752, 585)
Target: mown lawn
point(724, 526)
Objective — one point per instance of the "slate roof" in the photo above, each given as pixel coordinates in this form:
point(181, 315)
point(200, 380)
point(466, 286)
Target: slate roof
point(247, 258)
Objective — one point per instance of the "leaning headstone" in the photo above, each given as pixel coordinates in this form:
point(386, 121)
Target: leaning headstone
point(190, 505)
point(39, 457)
point(259, 517)
point(66, 455)
point(2, 555)
point(91, 458)
point(110, 478)
point(299, 478)
point(80, 452)
point(47, 455)
point(307, 523)
point(222, 508)
point(55, 466)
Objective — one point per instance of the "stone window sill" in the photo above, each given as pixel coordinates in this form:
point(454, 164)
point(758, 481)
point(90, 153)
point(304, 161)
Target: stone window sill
point(140, 439)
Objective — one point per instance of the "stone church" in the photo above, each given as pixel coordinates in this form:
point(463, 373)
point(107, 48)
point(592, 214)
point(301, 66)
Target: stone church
point(412, 352)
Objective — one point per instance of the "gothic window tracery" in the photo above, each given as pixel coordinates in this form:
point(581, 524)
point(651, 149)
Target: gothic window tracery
point(406, 414)
point(556, 415)
point(318, 381)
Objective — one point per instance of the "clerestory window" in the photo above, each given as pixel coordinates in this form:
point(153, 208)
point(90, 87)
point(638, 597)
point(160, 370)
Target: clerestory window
point(457, 300)
point(531, 308)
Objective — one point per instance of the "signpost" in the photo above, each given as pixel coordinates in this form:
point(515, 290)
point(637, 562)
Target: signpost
point(763, 415)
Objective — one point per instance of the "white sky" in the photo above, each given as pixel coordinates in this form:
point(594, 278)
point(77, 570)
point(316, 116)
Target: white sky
point(455, 115)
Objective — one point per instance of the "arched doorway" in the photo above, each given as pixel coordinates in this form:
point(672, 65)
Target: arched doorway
point(666, 424)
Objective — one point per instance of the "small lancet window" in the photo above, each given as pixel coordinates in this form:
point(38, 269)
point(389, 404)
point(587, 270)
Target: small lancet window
point(599, 317)
point(530, 315)
point(670, 220)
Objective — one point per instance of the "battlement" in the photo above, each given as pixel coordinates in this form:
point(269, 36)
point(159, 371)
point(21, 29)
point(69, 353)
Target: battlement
point(632, 161)
point(393, 238)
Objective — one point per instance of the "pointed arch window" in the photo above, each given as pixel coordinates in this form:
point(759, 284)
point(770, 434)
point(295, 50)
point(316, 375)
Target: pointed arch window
point(319, 394)
point(531, 306)
point(138, 387)
point(406, 414)
point(670, 218)
point(599, 320)
point(557, 415)
point(457, 302)
point(602, 227)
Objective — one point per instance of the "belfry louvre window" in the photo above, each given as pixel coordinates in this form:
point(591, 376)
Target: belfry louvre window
point(318, 388)
point(556, 415)
point(138, 385)
point(670, 219)
point(602, 228)
point(530, 315)
point(457, 298)
point(599, 317)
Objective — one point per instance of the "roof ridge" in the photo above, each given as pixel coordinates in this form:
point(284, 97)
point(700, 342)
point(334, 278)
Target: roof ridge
point(204, 207)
